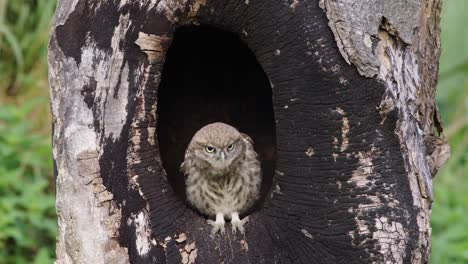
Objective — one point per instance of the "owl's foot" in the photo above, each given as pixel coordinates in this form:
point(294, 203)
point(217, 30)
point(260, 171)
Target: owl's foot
point(237, 224)
point(218, 225)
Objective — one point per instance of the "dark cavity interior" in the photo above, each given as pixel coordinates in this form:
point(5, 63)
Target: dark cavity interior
point(209, 76)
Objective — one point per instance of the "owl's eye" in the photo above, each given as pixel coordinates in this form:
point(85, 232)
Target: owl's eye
point(209, 149)
point(230, 147)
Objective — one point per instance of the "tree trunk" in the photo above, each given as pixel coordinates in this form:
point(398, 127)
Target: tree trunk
point(338, 96)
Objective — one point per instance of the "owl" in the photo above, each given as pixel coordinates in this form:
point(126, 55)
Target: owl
point(223, 175)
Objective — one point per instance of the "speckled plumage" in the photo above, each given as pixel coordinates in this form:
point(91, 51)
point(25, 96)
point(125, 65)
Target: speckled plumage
point(225, 182)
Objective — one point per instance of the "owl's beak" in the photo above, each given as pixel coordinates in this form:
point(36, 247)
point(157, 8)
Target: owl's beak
point(223, 156)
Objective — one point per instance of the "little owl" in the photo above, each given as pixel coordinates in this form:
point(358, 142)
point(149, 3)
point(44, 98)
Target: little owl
point(222, 174)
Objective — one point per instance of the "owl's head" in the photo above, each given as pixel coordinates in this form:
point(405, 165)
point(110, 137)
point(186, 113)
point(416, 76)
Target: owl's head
point(218, 144)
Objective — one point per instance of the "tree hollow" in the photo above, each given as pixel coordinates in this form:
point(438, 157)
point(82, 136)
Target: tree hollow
point(209, 76)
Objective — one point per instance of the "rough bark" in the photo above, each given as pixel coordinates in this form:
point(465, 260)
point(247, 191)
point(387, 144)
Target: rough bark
point(352, 86)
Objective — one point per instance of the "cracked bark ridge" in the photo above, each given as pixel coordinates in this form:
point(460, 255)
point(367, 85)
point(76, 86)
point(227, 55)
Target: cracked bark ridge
point(355, 25)
point(352, 181)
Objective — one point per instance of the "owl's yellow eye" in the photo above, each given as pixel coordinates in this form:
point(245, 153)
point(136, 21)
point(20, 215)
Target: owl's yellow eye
point(230, 147)
point(209, 149)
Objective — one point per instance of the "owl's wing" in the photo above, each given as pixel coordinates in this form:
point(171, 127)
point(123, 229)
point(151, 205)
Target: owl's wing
point(185, 165)
point(247, 139)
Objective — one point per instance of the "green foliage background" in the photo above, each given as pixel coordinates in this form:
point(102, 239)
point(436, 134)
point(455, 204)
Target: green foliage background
point(449, 219)
point(27, 212)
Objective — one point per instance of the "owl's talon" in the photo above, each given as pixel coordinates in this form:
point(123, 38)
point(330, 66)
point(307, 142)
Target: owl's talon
point(237, 224)
point(218, 225)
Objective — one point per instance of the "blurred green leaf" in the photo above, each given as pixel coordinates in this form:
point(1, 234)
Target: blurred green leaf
point(27, 207)
point(24, 28)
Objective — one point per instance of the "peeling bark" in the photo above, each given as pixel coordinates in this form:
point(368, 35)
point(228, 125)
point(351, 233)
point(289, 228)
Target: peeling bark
point(352, 87)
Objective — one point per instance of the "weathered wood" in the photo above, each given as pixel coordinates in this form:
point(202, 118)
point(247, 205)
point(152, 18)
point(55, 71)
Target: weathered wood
point(343, 114)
